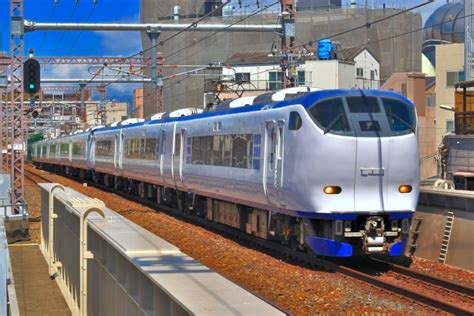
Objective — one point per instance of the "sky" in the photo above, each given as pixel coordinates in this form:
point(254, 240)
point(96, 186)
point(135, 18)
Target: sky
point(87, 43)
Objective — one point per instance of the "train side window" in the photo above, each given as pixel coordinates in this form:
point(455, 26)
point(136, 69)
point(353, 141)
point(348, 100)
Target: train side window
point(150, 148)
point(295, 121)
point(329, 114)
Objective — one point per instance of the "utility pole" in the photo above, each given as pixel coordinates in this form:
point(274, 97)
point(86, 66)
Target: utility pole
point(153, 34)
point(288, 65)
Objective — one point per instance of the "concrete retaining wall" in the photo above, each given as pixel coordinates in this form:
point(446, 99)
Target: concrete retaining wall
point(433, 208)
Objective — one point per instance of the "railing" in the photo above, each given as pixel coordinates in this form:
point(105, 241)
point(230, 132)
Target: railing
point(107, 265)
point(8, 302)
point(464, 123)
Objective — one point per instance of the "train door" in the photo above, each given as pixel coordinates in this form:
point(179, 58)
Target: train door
point(70, 151)
point(116, 149)
point(120, 151)
point(162, 151)
point(273, 162)
point(177, 164)
point(372, 152)
point(90, 152)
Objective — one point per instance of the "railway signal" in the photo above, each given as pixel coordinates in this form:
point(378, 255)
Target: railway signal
point(31, 76)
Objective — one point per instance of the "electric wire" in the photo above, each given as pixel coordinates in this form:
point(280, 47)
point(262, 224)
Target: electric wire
point(145, 50)
point(216, 32)
point(63, 33)
point(44, 35)
point(78, 36)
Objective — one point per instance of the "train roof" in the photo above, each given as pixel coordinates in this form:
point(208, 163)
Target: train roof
point(306, 101)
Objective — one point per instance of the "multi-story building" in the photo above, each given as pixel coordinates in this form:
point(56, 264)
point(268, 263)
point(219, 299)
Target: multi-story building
point(114, 112)
point(313, 21)
point(449, 70)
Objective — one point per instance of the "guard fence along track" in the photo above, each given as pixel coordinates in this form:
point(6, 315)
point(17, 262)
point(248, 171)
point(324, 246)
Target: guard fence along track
point(436, 303)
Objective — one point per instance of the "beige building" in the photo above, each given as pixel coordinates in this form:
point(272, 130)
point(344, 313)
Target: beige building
point(449, 70)
point(138, 103)
point(114, 112)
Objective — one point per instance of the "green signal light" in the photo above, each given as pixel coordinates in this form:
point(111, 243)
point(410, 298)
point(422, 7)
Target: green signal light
point(31, 86)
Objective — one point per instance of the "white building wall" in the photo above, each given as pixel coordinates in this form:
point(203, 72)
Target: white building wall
point(258, 74)
point(330, 74)
point(371, 69)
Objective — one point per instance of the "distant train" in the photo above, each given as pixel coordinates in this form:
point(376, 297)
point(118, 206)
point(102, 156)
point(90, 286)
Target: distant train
point(334, 171)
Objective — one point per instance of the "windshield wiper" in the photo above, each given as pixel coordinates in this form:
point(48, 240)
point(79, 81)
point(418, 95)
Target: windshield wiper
point(331, 125)
point(404, 122)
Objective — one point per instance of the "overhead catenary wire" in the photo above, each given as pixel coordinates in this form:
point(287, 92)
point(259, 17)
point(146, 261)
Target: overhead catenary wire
point(160, 43)
point(44, 35)
point(63, 33)
point(76, 39)
point(216, 32)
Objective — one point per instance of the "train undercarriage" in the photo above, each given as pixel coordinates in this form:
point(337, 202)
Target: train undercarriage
point(343, 236)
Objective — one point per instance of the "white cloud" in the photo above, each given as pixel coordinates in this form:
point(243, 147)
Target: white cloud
point(120, 43)
point(66, 71)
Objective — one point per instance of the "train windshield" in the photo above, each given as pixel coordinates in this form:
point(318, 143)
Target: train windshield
point(330, 116)
point(365, 116)
point(401, 116)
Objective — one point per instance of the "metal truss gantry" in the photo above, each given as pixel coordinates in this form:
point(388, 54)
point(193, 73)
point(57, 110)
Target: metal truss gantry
point(16, 121)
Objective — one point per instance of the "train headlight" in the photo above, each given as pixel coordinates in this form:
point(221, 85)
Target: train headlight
point(332, 190)
point(404, 188)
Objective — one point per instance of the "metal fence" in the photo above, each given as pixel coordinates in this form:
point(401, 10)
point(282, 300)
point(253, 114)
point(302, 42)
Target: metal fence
point(107, 265)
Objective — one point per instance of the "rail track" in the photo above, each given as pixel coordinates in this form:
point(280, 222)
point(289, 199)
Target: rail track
point(441, 295)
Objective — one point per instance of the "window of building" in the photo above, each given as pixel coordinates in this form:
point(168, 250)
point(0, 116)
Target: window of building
point(454, 76)
point(372, 75)
point(449, 126)
point(430, 100)
point(104, 148)
point(242, 77)
point(404, 89)
point(274, 80)
point(223, 150)
point(360, 72)
point(301, 78)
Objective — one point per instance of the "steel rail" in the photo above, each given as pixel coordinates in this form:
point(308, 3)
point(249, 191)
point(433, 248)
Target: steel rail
point(427, 278)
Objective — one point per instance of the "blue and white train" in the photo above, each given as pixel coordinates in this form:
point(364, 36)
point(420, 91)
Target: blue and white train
point(334, 171)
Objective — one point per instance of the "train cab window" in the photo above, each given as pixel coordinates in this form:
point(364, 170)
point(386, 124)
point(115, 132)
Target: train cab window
point(295, 121)
point(329, 114)
point(401, 116)
point(363, 104)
